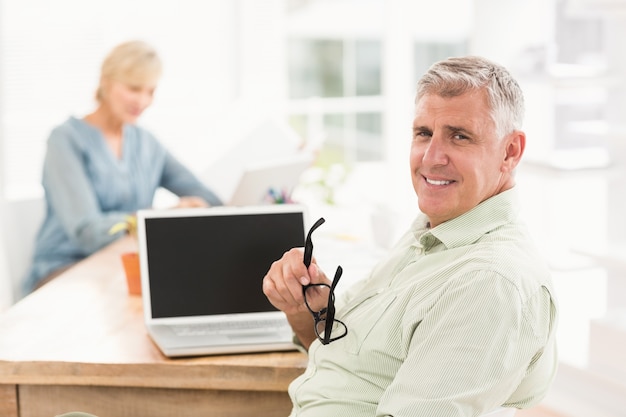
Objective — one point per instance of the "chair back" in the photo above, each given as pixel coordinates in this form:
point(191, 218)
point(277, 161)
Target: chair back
point(20, 220)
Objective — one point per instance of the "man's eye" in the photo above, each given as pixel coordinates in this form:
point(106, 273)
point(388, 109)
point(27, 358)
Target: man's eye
point(459, 136)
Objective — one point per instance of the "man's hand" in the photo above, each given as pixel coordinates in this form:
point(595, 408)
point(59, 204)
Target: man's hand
point(283, 287)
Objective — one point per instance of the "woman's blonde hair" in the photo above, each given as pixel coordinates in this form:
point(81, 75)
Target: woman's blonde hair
point(132, 62)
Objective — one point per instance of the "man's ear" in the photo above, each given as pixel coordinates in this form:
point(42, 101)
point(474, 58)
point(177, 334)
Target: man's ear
point(514, 149)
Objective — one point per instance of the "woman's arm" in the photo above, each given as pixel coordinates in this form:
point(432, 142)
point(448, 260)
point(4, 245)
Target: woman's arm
point(178, 179)
point(72, 197)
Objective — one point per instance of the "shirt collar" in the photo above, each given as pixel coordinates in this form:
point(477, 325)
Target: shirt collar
point(467, 228)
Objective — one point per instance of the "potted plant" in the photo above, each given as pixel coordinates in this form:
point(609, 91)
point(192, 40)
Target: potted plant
point(130, 260)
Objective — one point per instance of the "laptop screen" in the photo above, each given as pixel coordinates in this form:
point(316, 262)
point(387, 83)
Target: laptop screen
point(214, 264)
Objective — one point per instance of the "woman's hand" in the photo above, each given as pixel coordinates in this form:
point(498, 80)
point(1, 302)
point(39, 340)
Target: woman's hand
point(190, 202)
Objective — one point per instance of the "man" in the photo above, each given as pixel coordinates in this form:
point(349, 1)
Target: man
point(460, 317)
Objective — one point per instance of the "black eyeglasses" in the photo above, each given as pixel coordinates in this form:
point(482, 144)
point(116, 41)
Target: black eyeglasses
point(327, 328)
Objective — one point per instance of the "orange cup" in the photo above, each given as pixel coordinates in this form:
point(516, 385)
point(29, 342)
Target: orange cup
point(130, 260)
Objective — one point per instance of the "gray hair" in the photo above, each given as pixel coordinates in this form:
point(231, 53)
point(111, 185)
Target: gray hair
point(455, 76)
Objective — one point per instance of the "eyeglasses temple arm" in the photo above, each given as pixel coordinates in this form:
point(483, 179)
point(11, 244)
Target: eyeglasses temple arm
point(308, 246)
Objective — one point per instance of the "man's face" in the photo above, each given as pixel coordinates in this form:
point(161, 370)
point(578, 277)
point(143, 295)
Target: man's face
point(457, 161)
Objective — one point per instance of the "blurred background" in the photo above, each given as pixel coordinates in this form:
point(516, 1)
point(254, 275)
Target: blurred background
point(342, 74)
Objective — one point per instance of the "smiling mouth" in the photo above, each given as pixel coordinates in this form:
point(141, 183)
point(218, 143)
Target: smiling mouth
point(437, 182)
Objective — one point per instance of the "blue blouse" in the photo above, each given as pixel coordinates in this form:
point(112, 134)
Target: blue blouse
point(88, 190)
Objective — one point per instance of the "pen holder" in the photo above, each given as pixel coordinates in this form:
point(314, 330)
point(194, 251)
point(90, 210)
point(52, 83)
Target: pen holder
point(130, 260)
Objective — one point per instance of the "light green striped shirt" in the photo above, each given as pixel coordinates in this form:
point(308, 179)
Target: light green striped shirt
point(457, 320)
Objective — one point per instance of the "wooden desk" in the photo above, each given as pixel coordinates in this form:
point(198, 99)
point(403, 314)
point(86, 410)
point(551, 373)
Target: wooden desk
point(79, 343)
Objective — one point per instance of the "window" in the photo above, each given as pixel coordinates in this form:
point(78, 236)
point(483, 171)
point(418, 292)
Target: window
point(343, 76)
point(315, 68)
point(427, 53)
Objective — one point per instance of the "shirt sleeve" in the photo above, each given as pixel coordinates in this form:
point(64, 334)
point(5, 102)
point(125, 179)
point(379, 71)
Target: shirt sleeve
point(472, 350)
point(181, 181)
point(72, 197)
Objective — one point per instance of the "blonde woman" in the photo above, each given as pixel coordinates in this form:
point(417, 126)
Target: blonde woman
point(100, 168)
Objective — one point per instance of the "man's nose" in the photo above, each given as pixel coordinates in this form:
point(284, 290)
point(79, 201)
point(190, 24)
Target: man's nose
point(435, 152)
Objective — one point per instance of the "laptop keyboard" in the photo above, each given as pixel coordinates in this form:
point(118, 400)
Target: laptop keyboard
point(202, 329)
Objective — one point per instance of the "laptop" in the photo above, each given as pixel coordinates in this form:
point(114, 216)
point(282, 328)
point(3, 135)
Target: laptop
point(270, 182)
point(201, 275)
point(266, 156)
